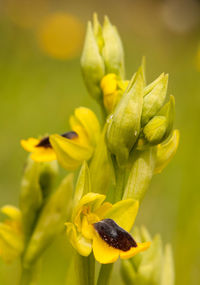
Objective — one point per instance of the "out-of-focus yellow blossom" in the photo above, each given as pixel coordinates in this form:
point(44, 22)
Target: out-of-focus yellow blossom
point(70, 148)
point(11, 234)
point(102, 227)
point(60, 35)
point(112, 87)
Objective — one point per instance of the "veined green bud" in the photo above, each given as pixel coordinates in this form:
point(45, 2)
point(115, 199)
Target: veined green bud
point(112, 51)
point(140, 175)
point(155, 129)
point(50, 222)
point(166, 151)
point(154, 99)
point(48, 172)
point(92, 64)
point(30, 195)
point(124, 123)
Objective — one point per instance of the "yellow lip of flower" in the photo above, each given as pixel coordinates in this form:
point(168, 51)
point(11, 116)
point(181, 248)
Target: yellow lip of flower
point(112, 88)
point(41, 149)
point(11, 234)
point(90, 214)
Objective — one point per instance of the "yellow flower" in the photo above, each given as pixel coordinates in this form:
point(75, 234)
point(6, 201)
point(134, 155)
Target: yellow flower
point(112, 88)
point(11, 235)
point(102, 227)
point(70, 148)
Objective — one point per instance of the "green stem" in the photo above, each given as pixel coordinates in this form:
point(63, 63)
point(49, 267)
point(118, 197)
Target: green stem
point(105, 274)
point(85, 269)
point(120, 181)
point(30, 276)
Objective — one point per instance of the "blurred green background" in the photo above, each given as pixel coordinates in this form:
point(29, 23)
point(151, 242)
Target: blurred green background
point(41, 84)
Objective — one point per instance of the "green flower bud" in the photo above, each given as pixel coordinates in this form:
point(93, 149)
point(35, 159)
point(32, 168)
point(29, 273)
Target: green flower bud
point(168, 110)
point(102, 54)
point(112, 51)
point(154, 99)
point(155, 129)
point(124, 123)
point(48, 172)
point(140, 175)
point(50, 222)
point(92, 64)
point(30, 200)
point(166, 151)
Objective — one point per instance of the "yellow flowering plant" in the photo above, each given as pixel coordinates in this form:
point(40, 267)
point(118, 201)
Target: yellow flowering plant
point(114, 161)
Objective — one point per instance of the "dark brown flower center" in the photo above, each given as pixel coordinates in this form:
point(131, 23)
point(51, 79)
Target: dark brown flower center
point(114, 235)
point(44, 142)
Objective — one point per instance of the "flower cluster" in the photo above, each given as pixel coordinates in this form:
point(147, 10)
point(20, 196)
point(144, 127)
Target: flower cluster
point(118, 160)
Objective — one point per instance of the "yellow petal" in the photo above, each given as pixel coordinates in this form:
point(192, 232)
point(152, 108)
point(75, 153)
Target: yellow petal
point(94, 200)
point(104, 253)
point(89, 122)
point(43, 154)
point(29, 144)
point(81, 244)
point(124, 213)
point(134, 250)
point(79, 129)
point(87, 229)
point(69, 153)
point(109, 83)
point(103, 209)
point(12, 212)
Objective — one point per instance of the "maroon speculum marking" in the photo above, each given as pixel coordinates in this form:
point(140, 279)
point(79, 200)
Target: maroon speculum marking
point(46, 143)
point(114, 235)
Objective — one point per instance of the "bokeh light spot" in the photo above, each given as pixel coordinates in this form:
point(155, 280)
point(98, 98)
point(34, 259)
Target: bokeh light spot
point(60, 35)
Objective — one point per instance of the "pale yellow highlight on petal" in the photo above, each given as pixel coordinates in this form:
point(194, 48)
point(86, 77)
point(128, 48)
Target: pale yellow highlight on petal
point(81, 244)
point(134, 250)
point(104, 253)
point(29, 144)
point(87, 229)
point(12, 212)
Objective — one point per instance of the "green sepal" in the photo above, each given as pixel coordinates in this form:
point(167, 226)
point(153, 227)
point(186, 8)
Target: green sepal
point(50, 222)
point(154, 100)
point(31, 196)
point(140, 174)
point(124, 123)
point(112, 51)
point(92, 64)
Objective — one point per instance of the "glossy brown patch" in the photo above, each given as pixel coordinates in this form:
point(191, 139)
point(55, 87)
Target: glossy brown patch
point(46, 143)
point(114, 235)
